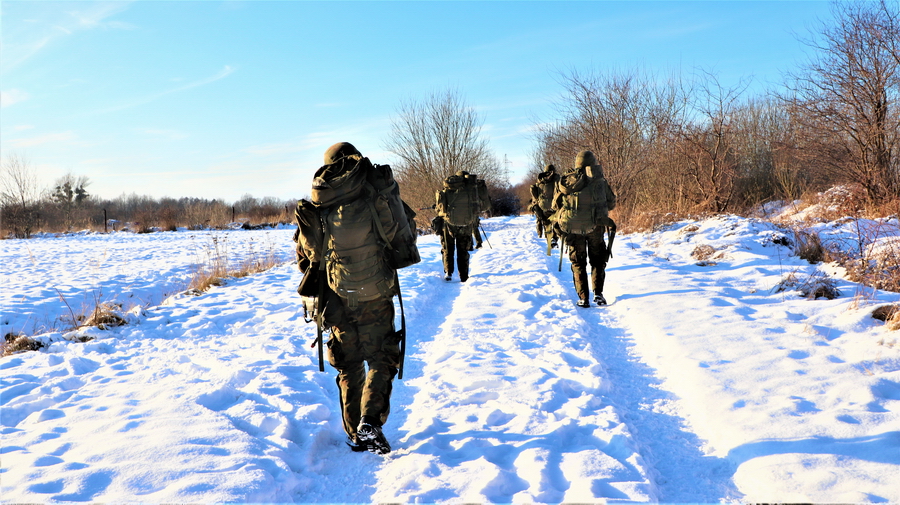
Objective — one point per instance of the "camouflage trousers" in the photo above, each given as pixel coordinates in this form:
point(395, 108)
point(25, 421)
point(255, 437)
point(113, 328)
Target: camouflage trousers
point(458, 240)
point(583, 249)
point(365, 336)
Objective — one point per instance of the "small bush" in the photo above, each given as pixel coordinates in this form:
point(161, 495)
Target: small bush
point(703, 252)
point(818, 285)
point(15, 344)
point(809, 247)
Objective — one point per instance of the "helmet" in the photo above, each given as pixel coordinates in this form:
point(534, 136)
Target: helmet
point(585, 159)
point(339, 151)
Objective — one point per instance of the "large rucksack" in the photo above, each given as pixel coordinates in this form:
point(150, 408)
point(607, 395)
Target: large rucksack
point(459, 203)
point(357, 229)
point(543, 191)
point(581, 205)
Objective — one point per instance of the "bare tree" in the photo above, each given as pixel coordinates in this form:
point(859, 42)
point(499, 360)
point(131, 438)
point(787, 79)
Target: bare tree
point(69, 192)
point(623, 117)
point(435, 138)
point(19, 196)
point(705, 143)
point(845, 97)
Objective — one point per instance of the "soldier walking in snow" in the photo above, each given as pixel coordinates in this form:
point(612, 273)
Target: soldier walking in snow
point(351, 238)
point(458, 205)
point(581, 215)
point(542, 193)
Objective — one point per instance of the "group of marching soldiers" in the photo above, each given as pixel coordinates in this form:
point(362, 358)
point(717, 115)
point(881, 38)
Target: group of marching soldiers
point(571, 211)
point(355, 232)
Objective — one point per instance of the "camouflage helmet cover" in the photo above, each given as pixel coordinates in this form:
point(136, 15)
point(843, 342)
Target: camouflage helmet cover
point(339, 151)
point(585, 159)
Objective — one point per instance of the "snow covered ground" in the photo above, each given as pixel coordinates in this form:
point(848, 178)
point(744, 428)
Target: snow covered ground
point(700, 382)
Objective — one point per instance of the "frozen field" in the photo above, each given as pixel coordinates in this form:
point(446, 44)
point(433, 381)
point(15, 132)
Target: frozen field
point(700, 382)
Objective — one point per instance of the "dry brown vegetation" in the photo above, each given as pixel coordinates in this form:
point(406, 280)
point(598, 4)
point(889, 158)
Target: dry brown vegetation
point(26, 209)
point(686, 145)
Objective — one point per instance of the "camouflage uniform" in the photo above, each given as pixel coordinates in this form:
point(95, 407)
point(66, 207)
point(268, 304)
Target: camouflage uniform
point(583, 249)
point(590, 248)
point(458, 239)
point(543, 209)
point(362, 334)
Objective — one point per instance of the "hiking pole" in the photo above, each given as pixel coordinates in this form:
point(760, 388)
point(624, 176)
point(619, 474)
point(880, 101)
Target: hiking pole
point(485, 236)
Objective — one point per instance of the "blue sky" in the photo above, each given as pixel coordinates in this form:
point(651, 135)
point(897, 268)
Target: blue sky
point(219, 99)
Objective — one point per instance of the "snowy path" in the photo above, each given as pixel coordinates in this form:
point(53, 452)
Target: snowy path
point(509, 393)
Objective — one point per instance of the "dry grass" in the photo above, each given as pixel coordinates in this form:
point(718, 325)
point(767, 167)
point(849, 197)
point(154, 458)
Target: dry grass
point(638, 222)
point(809, 247)
point(15, 344)
point(815, 286)
point(217, 265)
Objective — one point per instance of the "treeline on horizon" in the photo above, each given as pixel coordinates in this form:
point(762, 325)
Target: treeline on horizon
point(673, 145)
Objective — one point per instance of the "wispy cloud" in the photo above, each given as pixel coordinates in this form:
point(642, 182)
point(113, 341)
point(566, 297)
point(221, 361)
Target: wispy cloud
point(53, 24)
point(225, 72)
point(12, 96)
point(66, 136)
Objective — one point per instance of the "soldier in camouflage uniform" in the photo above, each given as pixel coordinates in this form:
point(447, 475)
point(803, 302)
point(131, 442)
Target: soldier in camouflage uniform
point(589, 248)
point(456, 240)
point(541, 203)
point(362, 333)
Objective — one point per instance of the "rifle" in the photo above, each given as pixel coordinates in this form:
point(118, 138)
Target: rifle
point(402, 327)
point(611, 231)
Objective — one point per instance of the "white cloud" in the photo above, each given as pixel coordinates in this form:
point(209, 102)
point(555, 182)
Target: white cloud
point(12, 96)
point(52, 24)
point(23, 127)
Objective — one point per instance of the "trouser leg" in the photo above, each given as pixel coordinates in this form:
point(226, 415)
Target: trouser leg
point(597, 256)
point(447, 251)
point(366, 337)
point(463, 244)
point(578, 258)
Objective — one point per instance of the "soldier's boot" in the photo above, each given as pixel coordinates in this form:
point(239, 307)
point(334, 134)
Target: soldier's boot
point(581, 286)
point(369, 434)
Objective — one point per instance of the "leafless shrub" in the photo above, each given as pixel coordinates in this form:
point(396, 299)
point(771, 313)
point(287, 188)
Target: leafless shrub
point(15, 344)
point(815, 286)
point(808, 246)
point(217, 265)
point(703, 252)
point(104, 316)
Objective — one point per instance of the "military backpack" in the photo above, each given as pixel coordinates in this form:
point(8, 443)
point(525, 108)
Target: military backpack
point(581, 205)
point(459, 202)
point(357, 229)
